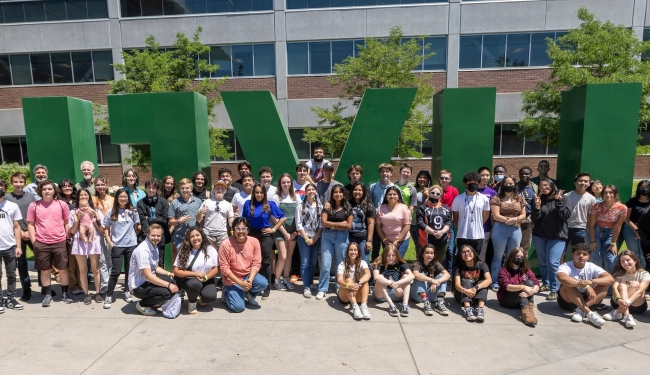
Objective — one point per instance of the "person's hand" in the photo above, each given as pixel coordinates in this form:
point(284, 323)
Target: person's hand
point(183, 219)
point(593, 246)
point(19, 252)
point(200, 275)
point(369, 246)
point(538, 202)
point(558, 196)
point(110, 243)
point(267, 230)
point(471, 292)
point(293, 236)
point(399, 292)
point(613, 249)
point(25, 235)
point(79, 214)
point(287, 236)
point(435, 283)
point(622, 304)
point(590, 293)
point(353, 287)
point(203, 210)
point(309, 241)
point(437, 234)
point(396, 243)
point(636, 235)
point(246, 285)
point(173, 288)
point(527, 292)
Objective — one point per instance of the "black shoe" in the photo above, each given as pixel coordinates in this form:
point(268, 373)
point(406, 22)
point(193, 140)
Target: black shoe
point(601, 306)
point(480, 315)
point(27, 294)
point(392, 311)
point(11, 303)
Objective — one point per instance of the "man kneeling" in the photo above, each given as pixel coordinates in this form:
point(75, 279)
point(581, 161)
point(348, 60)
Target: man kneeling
point(149, 282)
point(583, 285)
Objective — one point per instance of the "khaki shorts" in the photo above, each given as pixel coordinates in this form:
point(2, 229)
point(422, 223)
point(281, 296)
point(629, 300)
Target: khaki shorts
point(48, 255)
point(217, 240)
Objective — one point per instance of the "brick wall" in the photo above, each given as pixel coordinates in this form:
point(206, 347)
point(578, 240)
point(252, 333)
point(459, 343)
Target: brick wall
point(250, 84)
point(507, 80)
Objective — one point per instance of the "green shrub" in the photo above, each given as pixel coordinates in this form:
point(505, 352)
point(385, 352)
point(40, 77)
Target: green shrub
point(6, 170)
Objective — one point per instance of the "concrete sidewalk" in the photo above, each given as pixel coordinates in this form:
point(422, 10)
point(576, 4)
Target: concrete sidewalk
point(289, 333)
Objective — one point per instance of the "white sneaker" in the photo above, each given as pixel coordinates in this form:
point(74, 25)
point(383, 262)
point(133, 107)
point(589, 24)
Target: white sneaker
point(613, 315)
point(146, 311)
point(629, 321)
point(191, 307)
point(288, 284)
point(578, 316)
point(107, 302)
point(127, 297)
point(306, 293)
point(595, 319)
point(320, 295)
point(356, 312)
point(365, 312)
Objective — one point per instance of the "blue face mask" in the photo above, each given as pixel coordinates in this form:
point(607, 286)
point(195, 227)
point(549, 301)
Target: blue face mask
point(499, 177)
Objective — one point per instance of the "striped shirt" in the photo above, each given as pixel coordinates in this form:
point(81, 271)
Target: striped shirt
point(179, 208)
point(144, 256)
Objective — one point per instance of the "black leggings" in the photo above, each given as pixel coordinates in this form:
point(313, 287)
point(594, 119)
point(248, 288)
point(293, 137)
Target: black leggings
point(462, 298)
point(633, 309)
point(207, 290)
point(266, 245)
point(513, 301)
point(152, 294)
point(116, 255)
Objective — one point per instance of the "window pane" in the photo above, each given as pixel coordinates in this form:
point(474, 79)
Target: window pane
point(102, 61)
point(110, 152)
point(319, 3)
point(319, 58)
point(538, 55)
point(132, 8)
point(262, 4)
point(13, 13)
point(470, 51)
point(242, 60)
point(518, 48)
point(11, 150)
point(34, 12)
point(511, 144)
point(55, 10)
point(41, 69)
point(533, 146)
point(646, 36)
point(387, 2)
point(98, 147)
point(552, 150)
point(221, 56)
point(172, 7)
point(427, 146)
point(297, 57)
point(239, 154)
point(97, 9)
point(151, 7)
point(360, 3)
point(76, 9)
point(264, 59)
point(240, 5)
point(23, 144)
point(497, 140)
point(228, 141)
point(341, 50)
point(82, 67)
point(196, 6)
point(217, 6)
point(439, 60)
point(5, 72)
point(296, 4)
point(341, 3)
point(412, 1)
point(494, 51)
point(301, 147)
point(21, 71)
point(61, 67)
point(357, 48)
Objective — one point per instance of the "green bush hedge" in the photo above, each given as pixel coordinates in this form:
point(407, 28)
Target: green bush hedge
point(6, 170)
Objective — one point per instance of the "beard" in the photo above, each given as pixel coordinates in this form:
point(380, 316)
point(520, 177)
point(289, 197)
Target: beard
point(318, 159)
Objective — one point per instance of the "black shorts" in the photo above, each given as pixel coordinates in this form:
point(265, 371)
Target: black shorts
point(568, 305)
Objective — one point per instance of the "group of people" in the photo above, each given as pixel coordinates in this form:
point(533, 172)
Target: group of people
point(226, 237)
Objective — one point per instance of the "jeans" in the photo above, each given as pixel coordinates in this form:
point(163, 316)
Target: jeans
point(9, 258)
point(23, 270)
point(195, 288)
point(549, 253)
point(234, 294)
point(420, 287)
point(152, 294)
point(512, 300)
point(334, 244)
point(578, 235)
point(603, 237)
point(505, 238)
point(105, 265)
point(449, 260)
point(403, 248)
point(117, 253)
point(308, 260)
point(633, 244)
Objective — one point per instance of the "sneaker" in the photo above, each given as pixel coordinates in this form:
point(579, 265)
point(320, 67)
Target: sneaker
point(66, 298)
point(279, 285)
point(365, 312)
point(405, 310)
point(629, 321)
point(392, 311)
point(251, 299)
point(107, 302)
point(356, 312)
point(320, 295)
point(600, 306)
point(98, 298)
point(11, 303)
point(613, 315)
point(551, 296)
point(2, 309)
point(440, 308)
point(88, 299)
point(47, 301)
point(428, 310)
point(480, 314)
point(494, 288)
point(332, 279)
point(545, 288)
point(578, 316)
point(266, 294)
point(27, 294)
point(288, 284)
point(469, 314)
point(191, 308)
point(306, 293)
point(127, 297)
point(77, 292)
point(595, 319)
point(146, 311)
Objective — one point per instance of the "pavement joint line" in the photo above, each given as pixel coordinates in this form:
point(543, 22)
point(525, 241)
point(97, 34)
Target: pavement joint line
point(417, 368)
point(634, 350)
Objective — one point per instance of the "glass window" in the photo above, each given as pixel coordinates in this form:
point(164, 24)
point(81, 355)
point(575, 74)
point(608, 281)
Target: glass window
point(5, 71)
point(534, 146)
point(132, 8)
point(427, 146)
point(262, 4)
point(21, 71)
point(494, 51)
point(239, 153)
point(363, 3)
point(470, 51)
point(341, 50)
point(264, 59)
point(11, 150)
point(98, 147)
point(319, 3)
point(41, 69)
point(387, 2)
point(538, 46)
point(221, 56)
point(302, 148)
point(241, 5)
point(102, 61)
point(23, 147)
point(218, 6)
point(61, 67)
point(172, 7)
point(298, 58)
point(196, 6)
point(296, 4)
point(497, 140)
point(242, 60)
point(439, 46)
point(82, 67)
point(319, 58)
point(55, 10)
point(13, 12)
point(149, 8)
point(97, 9)
point(35, 12)
point(358, 43)
point(110, 152)
point(511, 144)
point(646, 36)
point(229, 141)
point(341, 3)
point(517, 51)
point(76, 9)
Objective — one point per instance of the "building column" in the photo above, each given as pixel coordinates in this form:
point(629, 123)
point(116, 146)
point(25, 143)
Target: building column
point(116, 33)
point(453, 43)
point(281, 89)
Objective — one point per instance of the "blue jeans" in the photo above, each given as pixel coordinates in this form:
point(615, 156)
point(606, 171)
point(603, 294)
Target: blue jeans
point(403, 247)
point(578, 235)
point(333, 246)
point(504, 238)
point(235, 293)
point(549, 253)
point(449, 260)
point(603, 237)
point(633, 244)
point(308, 260)
point(420, 287)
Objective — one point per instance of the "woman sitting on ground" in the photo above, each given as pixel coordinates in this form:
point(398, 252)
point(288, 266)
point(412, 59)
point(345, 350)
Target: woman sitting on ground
point(518, 285)
point(430, 281)
point(392, 280)
point(353, 275)
point(471, 278)
point(630, 283)
point(195, 267)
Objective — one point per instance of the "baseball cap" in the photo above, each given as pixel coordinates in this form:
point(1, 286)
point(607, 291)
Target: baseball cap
point(220, 182)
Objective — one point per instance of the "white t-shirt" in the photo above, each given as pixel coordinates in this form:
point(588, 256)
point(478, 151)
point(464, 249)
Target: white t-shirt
point(316, 171)
point(580, 205)
point(341, 268)
point(216, 216)
point(640, 275)
point(299, 189)
point(470, 215)
point(285, 199)
point(201, 264)
point(239, 200)
point(270, 192)
point(144, 256)
point(9, 212)
point(589, 272)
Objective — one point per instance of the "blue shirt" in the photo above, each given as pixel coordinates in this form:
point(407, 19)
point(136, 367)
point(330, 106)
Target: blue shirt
point(261, 219)
point(377, 191)
point(140, 193)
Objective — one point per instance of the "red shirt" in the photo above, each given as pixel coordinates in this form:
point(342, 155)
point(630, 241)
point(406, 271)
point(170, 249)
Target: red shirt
point(239, 260)
point(448, 195)
point(512, 277)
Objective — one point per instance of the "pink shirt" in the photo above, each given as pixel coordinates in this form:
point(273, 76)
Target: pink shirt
point(239, 260)
point(49, 219)
point(392, 222)
point(607, 217)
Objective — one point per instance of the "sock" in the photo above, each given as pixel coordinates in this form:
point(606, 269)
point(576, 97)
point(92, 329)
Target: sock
point(64, 288)
point(47, 290)
point(355, 306)
point(424, 296)
point(440, 299)
point(364, 305)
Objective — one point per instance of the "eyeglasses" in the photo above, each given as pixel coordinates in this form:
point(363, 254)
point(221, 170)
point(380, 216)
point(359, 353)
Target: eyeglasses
point(241, 229)
point(434, 193)
point(466, 252)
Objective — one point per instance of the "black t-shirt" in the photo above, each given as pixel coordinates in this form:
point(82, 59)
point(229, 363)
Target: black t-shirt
point(437, 269)
point(638, 208)
point(393, 272)
point(360, 222)
point(336, 216)
point(203, 195)
point(474, 274)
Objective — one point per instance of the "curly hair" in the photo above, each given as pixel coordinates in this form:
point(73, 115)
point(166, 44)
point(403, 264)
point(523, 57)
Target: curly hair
point(186, 248)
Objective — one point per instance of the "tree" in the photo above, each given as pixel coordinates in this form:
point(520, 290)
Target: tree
point(381, 63)
point(596, 52)
point(155, 70)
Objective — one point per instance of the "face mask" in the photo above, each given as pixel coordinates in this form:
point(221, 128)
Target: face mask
point(472, 187)
point(499, 177)
point(2, 193)
point(644, 191)
point(508, 189)
point(518, 261)
point(434, 200)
